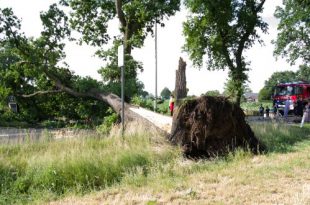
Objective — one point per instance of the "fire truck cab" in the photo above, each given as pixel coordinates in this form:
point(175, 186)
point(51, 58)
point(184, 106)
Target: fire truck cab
point(293, 91)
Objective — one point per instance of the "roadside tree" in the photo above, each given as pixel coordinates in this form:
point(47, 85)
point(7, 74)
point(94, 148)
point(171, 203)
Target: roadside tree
point(223, 30)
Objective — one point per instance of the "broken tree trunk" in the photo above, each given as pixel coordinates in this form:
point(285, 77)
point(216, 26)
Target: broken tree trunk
point(180, 82)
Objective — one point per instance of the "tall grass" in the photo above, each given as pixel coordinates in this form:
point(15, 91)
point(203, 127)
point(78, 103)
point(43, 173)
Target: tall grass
point(75, 166)
point(49, 170)
point(281, 138)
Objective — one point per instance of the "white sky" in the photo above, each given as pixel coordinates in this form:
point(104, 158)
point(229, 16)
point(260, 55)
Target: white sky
point(170, 42)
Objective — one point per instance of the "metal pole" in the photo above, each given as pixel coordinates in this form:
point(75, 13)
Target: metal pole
point(121, 64)
point(123, 104)
point(155, 104)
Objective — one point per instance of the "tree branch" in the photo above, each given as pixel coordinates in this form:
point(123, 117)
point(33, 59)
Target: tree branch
point(260, 6)
point(120, 13)
point(245, 37)
point(40, 93)
point(225, 51)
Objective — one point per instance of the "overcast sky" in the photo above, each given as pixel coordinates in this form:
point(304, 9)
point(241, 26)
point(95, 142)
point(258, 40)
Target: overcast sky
point(170, 42)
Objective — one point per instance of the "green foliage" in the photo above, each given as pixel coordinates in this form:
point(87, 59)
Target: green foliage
point(222, 30)
point(303, 73)
point(52, 124)
point(213, 93)
point(294, 31)
point(162, 105)
point(108, 122)
point(91, 18)
point(252, 108)
point(136, 18)
point(23, 71)
point(264, 94)
point(232, 89)
point(165, 93)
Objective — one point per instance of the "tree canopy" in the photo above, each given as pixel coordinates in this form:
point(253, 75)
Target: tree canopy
point(293, 40)
point(136, 19)
point(28, 65)
point(221, 30)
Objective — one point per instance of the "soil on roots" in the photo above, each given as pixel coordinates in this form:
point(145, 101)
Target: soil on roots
point(212, 126)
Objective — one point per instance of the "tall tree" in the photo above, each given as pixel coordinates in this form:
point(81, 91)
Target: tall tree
point(293, 40)
point(136, 19)
point(223, 30)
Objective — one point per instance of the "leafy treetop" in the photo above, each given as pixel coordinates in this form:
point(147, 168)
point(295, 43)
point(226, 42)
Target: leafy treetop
point(222, 30)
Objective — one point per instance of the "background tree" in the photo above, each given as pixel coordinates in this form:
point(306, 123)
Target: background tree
point(293, 40)
point(278, 77)
point(165, 93)
point(222, 30)
point(213, 93)
point(303, 73)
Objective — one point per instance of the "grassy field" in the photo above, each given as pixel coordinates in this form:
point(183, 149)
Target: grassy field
point(145, 169)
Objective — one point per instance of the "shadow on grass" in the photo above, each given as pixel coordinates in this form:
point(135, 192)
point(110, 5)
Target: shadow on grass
point(282, 138)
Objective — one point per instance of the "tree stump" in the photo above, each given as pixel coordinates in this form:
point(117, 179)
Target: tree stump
point(211, 126)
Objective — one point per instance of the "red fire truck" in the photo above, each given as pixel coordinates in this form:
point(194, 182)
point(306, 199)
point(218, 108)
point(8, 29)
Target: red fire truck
point(292, 90)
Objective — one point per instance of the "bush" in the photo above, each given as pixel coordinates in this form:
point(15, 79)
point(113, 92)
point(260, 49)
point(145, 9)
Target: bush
point(108, 122)
point(52, 124)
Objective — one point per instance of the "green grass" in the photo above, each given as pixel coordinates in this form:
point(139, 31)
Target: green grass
point(145, 163)
point(282, 138)
point(49, 170)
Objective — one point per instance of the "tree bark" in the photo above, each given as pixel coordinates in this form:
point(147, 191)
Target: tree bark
point(180, 81)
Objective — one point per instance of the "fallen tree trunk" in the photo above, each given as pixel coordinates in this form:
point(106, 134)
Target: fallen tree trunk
point(111, 99)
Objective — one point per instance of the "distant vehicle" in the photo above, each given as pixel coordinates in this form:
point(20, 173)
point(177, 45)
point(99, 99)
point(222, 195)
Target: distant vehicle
point(292, 90)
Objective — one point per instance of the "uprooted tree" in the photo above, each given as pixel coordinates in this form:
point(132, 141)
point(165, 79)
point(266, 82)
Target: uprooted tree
point(212, 126)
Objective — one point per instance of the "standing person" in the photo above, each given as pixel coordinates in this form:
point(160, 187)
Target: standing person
point(267, 111)
point(261, 110)
point(275, 108)
point(299, 107)
point(171, 104)
point(305, 116)
point(287, 107)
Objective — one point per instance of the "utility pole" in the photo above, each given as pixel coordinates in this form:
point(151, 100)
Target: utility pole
point(155, 103)
point(122, 67)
